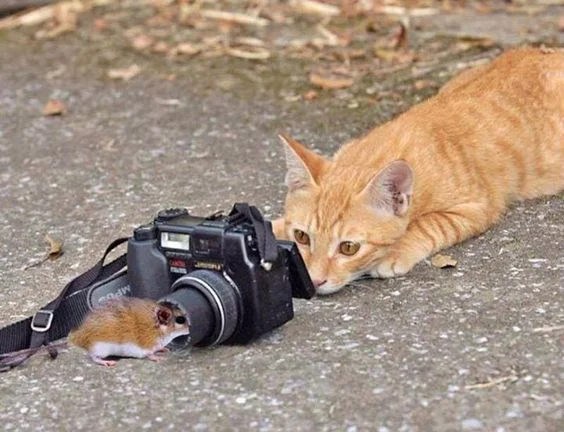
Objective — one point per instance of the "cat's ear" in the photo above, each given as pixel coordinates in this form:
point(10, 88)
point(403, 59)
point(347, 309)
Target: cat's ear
point(390, 190)
point(304, 166)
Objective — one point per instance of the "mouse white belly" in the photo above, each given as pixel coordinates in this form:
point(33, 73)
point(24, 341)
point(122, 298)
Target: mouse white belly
point(106, 349)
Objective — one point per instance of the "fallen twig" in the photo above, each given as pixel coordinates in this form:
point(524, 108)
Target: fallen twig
point(400, 10)
point(494, 382)
point(256, 54)
point(41, 15)
point(548, 329)
point(236, 17)
point(11, 6)
point(315, 8)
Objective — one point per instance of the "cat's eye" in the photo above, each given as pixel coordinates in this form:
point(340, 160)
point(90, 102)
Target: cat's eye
point(301, 237)
point(349, 248)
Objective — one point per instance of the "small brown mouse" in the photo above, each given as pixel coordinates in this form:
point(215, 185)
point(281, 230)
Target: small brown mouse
point(129, 327)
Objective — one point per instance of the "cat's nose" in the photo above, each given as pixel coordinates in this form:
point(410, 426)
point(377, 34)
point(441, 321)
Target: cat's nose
point(318, 282)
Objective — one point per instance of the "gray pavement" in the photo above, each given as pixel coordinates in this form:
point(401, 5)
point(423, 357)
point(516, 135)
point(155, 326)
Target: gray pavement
point(394, 355)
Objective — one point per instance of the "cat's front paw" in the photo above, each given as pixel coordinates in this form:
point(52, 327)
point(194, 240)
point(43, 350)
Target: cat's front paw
point(392, 266)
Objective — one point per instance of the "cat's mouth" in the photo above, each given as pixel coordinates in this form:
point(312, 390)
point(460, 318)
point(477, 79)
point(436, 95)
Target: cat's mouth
point(329, 288)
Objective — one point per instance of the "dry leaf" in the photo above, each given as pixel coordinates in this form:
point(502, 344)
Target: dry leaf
point(292, 97)
point(467, 42)
point(423, 84)
point(158, 21)
point(330, 83)
point(100, 24)
point(55, 251)
point(356, 53)
point(186, 49)
point(54, 108)
point(124, 74)
point(160, 47)
point(142, 42)
point(55, 247)
point(393, 56)
point(59, 11)
point(63, 20)
point(310, 95)
point(400, 40)
point(443, 261)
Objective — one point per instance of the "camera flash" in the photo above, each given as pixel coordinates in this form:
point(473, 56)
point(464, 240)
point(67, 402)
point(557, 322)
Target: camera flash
point(177, 241)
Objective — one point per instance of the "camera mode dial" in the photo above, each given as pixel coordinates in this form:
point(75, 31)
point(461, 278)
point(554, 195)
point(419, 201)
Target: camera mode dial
point(171, 213)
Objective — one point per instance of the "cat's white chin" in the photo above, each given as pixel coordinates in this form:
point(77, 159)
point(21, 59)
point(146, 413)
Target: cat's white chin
point(328, 288)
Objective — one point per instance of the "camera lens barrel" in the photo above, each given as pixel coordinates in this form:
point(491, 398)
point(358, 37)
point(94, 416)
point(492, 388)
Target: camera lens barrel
point(211, 303)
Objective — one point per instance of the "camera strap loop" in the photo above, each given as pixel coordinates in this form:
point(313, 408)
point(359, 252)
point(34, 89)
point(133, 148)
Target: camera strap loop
point(267, 245)
point(56, 319)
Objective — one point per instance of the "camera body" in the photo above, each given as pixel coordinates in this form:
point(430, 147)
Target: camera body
point(218, 258)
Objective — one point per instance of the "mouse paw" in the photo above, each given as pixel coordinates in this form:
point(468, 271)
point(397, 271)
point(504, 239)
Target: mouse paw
point(103, 362)
point(155, 358)
point(162, 350)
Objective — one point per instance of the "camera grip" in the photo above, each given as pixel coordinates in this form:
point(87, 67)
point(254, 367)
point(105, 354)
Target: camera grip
point(148, 269)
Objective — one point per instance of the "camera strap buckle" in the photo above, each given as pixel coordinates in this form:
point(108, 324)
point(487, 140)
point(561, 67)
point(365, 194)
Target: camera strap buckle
point(42, 320)
point(266, 242)
point(266, 265)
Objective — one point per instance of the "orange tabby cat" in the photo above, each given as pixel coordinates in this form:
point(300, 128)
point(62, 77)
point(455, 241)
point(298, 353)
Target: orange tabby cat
point(436, 175)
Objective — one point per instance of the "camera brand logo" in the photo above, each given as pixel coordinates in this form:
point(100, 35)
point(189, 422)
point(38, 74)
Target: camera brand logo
point(98, 295)
point(123, 291)
point(208, 265)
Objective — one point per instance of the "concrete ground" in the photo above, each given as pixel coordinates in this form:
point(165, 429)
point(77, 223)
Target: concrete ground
point(395, 355)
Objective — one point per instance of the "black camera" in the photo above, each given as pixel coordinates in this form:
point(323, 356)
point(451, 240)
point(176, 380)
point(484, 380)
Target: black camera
point(233, 279)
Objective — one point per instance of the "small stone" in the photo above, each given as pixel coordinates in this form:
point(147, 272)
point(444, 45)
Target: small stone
point(472, 423)
point(78, 379)
point(241, 400)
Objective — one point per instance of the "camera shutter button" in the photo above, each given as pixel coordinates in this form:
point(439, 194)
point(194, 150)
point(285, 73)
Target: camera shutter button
point(145, 232)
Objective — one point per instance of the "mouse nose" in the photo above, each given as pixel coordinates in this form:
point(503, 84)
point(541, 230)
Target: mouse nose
point(318, 282)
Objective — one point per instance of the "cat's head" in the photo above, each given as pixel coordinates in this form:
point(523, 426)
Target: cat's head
point(344, 218)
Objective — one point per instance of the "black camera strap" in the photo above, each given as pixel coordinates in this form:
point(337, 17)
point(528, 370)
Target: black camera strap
point(56, 319)
point(267, 245)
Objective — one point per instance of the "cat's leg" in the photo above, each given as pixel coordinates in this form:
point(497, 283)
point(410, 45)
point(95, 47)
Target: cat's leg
point(435, 231)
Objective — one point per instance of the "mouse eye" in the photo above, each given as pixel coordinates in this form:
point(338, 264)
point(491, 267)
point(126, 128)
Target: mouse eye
point(180, 320)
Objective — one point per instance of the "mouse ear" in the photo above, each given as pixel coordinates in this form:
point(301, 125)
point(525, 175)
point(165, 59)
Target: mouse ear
point(164, 315)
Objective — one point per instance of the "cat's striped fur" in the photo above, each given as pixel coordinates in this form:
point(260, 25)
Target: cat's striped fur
point(436, 175)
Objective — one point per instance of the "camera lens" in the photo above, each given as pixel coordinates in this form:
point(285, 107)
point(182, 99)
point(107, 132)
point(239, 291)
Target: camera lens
point(210, 302)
